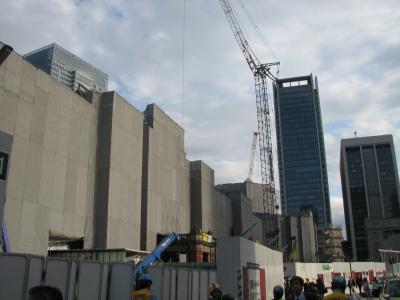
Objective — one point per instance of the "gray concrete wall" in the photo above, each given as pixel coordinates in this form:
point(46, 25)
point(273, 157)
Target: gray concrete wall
point(309, 241)
point(254, 193)
point(234, 253)
point(50, 188)
point(222, 215)
point(210, 209)
point(66, 153)
point(119, 174)
point(201, 196)
point(251, 190)
point(166, 192)
point(125, 175)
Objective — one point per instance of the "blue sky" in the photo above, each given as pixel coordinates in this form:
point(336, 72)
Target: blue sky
point(352, 46)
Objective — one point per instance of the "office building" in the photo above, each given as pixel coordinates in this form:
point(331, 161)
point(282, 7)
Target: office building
point(370, 192)
point(301, 150)
point(68, 68)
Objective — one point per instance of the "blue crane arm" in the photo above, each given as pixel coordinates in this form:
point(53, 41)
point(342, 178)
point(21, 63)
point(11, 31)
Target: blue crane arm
point(4, 236)
point(155, 254)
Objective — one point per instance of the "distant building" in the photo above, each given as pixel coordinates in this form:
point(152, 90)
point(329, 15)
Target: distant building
point(298, 237)
point(301, 150)
point(68, 68)
point(370, 192)
point(330, 243)
point(252, 190)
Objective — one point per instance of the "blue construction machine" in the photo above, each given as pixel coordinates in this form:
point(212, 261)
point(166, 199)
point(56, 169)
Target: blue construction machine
point(155, 255)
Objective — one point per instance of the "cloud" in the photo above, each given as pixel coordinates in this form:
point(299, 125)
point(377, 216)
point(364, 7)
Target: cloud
point(352, 46)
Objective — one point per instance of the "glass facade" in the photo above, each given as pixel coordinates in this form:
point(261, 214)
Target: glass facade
point(388, 181)
point(68, 68)
point(370, 187)
point(301, 152)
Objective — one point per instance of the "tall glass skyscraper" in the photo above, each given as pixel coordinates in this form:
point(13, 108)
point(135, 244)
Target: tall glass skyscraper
point(301, 151)
point(370, 187)
point(68, 68)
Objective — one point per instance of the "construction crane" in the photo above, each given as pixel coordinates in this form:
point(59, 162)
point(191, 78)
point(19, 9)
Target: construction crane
point(262, 72)
point(252, 156)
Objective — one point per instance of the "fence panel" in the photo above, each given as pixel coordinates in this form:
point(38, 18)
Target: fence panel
point(173, 285)
point(61, 273)
point(104, 281)
point(195, 286)
point(203, 285)
point(35, 274)
point(212, 277)
point(121, 281)
point(183, 284)
point(166, 284)
point(89, 283)
point(13, 276)
point(157, 278)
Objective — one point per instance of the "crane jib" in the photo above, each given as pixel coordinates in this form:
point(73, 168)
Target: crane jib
point(261, 72)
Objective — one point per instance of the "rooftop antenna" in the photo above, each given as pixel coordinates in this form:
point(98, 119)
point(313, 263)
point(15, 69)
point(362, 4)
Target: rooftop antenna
point(355, 133)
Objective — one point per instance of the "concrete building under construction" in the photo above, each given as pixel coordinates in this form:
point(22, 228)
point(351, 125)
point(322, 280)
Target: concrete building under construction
point(101, 173)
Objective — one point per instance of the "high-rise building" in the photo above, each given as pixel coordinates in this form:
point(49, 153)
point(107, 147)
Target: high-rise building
point(301, 151)
point(370, 187)
point(68, 68)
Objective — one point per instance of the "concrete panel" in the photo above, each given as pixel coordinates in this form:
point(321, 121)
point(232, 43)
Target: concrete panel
point(239, 253)
point(166, 186)
point(18, 168)
point(13, 276)
point(12, 77)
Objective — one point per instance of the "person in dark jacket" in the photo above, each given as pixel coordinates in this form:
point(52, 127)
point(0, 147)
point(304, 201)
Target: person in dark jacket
point(297, 285)
point(359, 283)
point(44, 292)
point(321, 288)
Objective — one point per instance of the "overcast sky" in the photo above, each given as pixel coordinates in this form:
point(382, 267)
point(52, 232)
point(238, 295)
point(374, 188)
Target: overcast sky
point(144, 45)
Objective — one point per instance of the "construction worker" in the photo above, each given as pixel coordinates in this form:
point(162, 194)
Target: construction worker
point(215, 293)
point(143, 289)
point(338, 290)
point(278, 292)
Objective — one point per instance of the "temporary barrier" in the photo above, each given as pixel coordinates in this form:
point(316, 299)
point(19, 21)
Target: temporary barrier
point(78, 280)
point(121, 281)
point(89, 282)
point(181, 283)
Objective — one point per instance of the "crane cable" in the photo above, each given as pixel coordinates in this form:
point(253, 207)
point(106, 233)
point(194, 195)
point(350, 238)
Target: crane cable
point(257, 29)
point(183, 60)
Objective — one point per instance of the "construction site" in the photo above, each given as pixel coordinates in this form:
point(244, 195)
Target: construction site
point(94, 193)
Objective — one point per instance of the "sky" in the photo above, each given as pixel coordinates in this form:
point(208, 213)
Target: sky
point(181, 55)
